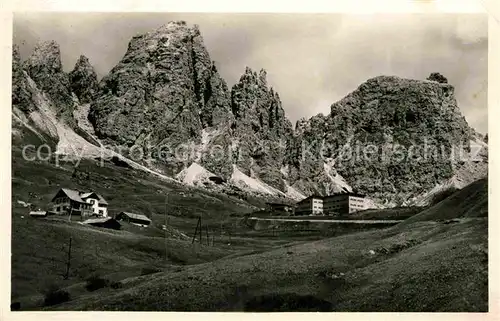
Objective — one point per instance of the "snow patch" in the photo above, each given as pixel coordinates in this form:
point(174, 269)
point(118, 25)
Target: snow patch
point(284, 170)
point(81, 114)
point(19, 118)
point(46, 119)
point(141, 167)
point(194, 175)
point(339, 184)
point(43, 122)
point(371, 204)
point(70, 143)
point(479, 142)
point(293, 193)
point(207, 134)
point(243, 181)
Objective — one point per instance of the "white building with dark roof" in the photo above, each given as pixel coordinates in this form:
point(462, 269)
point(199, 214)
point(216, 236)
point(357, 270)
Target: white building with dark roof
point(343, 203)
point(99, 204)
point(336, 204)
point(313, 205)
point(68, 201)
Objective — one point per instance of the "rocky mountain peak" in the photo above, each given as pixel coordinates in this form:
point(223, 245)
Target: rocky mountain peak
point(83, 63)
point(166, 93)
point(165, 90)
point(250, 76)
point(21, 96)
point(435, 76)
point(83, 79)
point(45, 59)
point(45, 68)
point(257, 106)
point(16, 56)
point(262, 77)
point(385, 112)
point(261, 125)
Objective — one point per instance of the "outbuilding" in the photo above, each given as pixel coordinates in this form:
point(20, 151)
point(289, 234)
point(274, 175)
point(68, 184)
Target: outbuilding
point(280, 208)
point(106, 222)
point(137, 219)
point(38, 213)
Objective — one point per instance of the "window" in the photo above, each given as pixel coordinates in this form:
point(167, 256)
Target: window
point(58, 209)
point(92, 202)
point(101, 212)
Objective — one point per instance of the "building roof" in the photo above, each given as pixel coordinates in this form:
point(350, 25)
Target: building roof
point(97, 196)
point(333, 195)
point(137, 216)
point(87, 195)
point(38, 213)
point(72, 195)
point(79, 197)
point(346, 194)
point(102, 200)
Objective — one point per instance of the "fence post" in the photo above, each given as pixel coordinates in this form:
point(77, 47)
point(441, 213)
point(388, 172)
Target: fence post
point(196, 229)
point(69, 261)
point(166, 228)
point(201, 232)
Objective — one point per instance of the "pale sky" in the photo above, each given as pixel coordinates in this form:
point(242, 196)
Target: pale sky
point(311, 60)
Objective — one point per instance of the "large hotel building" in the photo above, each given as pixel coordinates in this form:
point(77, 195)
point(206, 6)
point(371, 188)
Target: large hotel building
point(336, 204)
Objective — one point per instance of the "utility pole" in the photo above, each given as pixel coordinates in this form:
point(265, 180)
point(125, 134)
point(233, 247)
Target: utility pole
point(66, 276)
point(196, 230)
point(166, 226)
point(221, 227)
point(201, 231)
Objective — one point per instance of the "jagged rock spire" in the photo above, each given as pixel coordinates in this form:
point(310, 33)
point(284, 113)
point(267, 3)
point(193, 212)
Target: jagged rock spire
point(21, 96)
point(45, 68)
point(83, 80)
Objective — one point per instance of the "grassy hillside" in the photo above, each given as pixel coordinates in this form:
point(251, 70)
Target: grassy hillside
point(471, 201)
point(377, 270)
point(40, 246)
point(40, 253)
point(385, 270)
